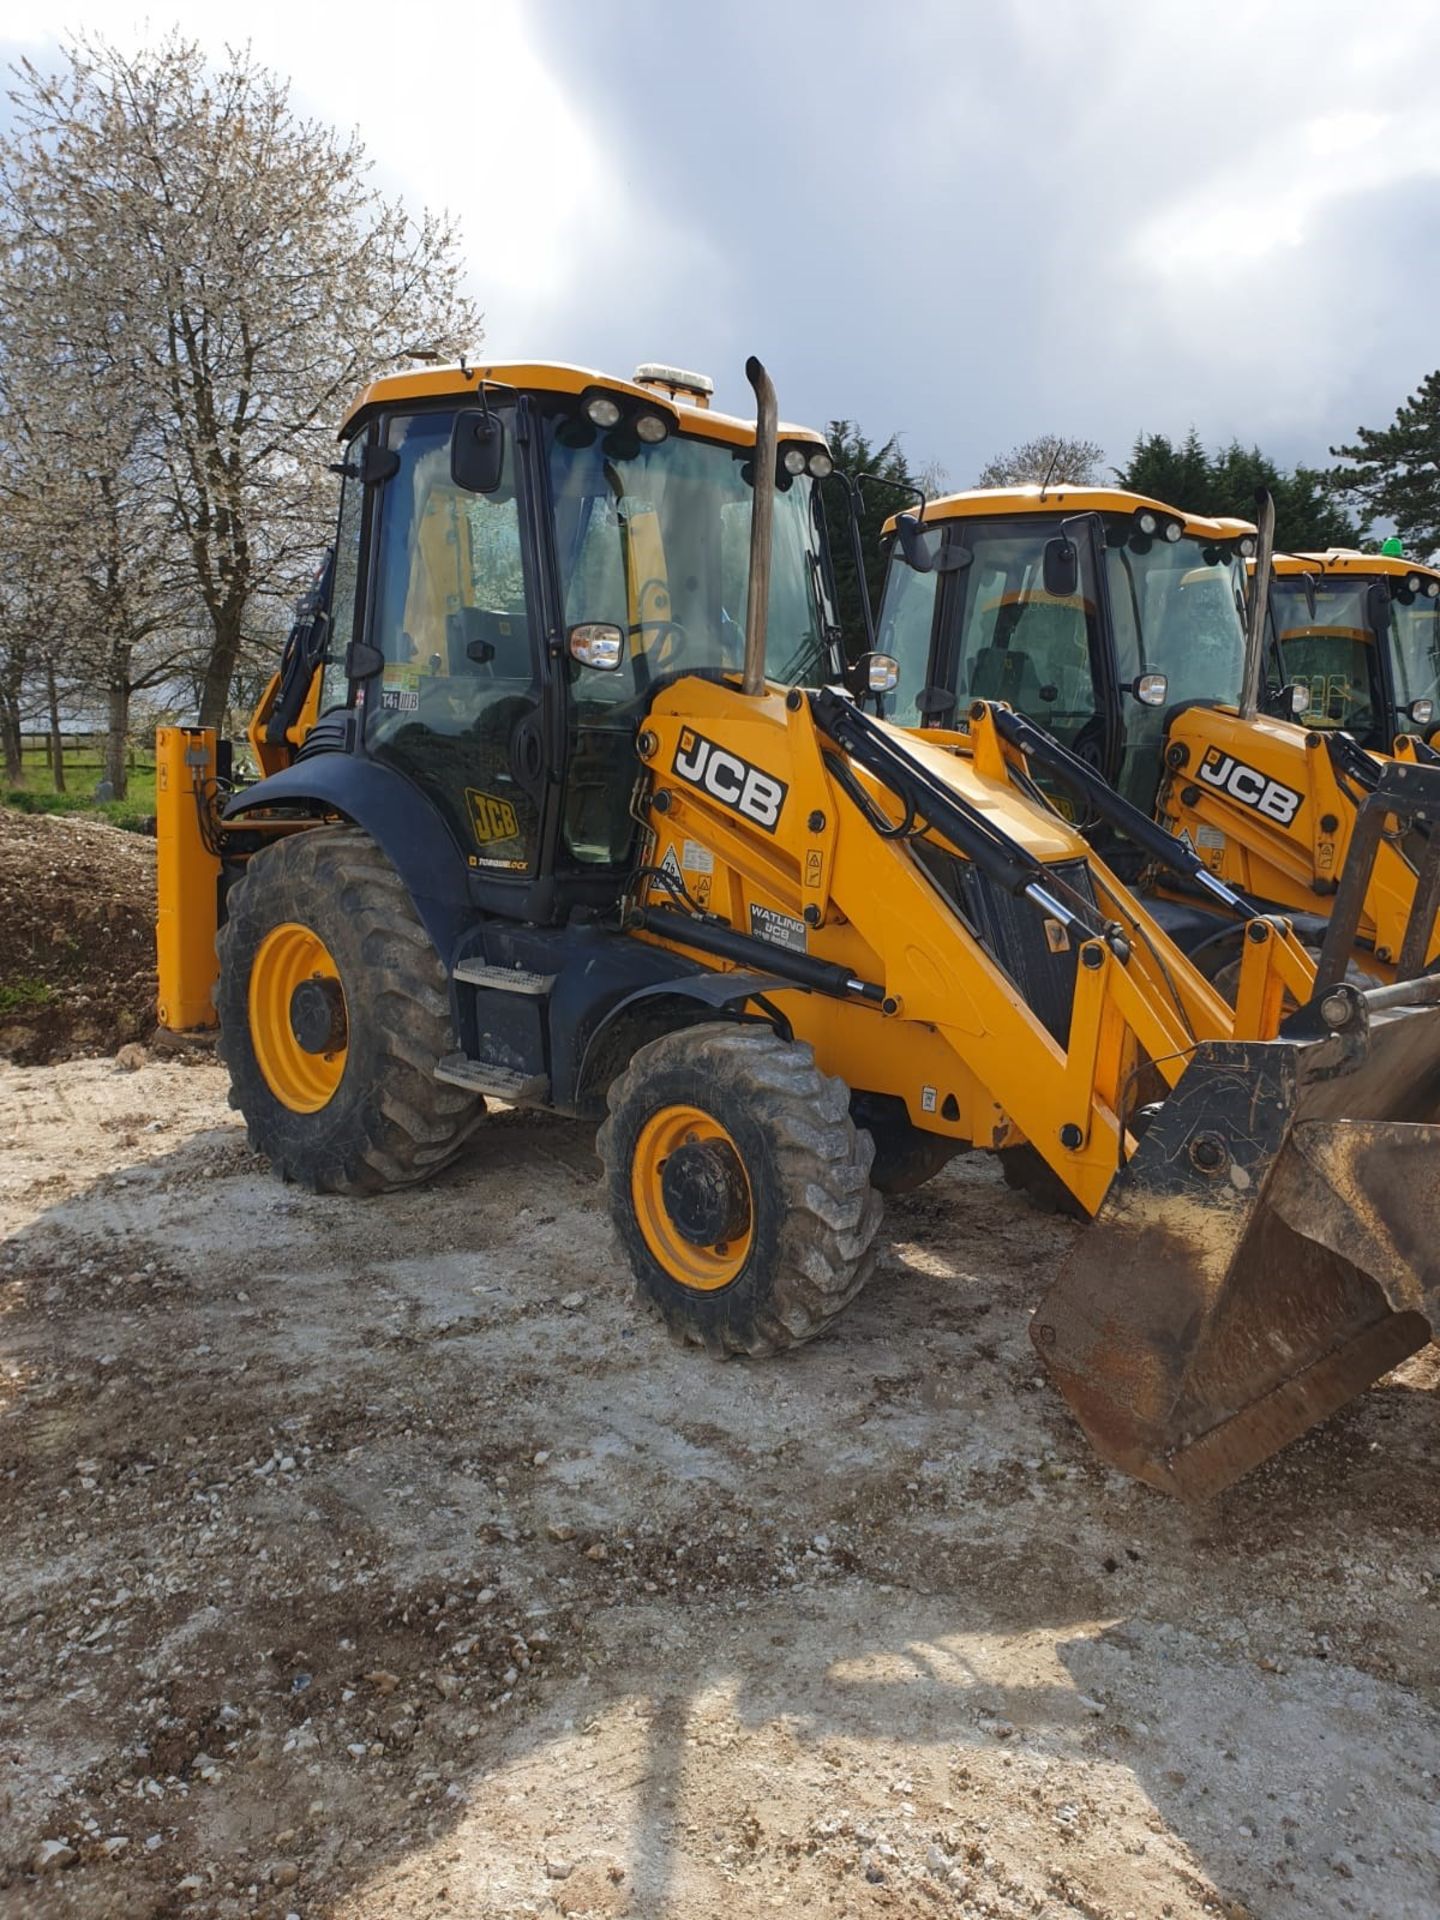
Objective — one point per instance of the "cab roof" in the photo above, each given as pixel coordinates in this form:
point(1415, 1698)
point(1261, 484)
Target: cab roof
point(985, 502)
point(555, 376)
point(1348, 560)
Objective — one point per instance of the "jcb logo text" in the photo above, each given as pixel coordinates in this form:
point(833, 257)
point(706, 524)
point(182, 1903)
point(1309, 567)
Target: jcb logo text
point(1249, 786)
point(729, 779)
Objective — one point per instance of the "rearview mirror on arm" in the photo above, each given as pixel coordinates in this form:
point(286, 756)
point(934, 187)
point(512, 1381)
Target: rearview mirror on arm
point(1061, 568)
point(915, 548)
point(477, 451)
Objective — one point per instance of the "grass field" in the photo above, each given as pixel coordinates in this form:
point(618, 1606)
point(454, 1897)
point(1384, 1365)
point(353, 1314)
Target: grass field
point(84, 769)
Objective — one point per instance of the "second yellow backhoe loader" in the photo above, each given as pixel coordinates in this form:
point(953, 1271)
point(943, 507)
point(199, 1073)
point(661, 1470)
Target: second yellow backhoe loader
point(1121, 628)
point(570, 819)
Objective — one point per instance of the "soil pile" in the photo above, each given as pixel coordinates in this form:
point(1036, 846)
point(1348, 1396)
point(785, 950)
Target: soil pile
point(77, 936)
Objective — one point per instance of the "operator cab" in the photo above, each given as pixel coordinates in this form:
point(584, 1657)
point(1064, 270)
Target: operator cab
point(525, 553)
point(1090, 611)
point(1361, 633)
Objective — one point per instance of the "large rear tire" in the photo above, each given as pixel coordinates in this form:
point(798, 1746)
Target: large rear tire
point(739, 1187)
point(334, 1011)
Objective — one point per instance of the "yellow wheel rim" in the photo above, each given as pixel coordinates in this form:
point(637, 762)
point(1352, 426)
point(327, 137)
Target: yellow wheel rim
point(704, 1265)
point(289, 956)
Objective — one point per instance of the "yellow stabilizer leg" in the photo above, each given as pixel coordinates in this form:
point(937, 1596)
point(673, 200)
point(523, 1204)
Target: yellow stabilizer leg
point(187, 878)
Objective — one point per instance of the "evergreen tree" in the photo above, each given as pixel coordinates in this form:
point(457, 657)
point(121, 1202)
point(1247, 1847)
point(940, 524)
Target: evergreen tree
point(1393, 472)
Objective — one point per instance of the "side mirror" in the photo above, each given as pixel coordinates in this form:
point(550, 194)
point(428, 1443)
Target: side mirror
point(1422, 712)
point(1061, 568)
point(378, 464)
point(1298, 698)
point(477, 451)
point(1377, 606)
point(597, 644)
point(914, 547)
point(1150, 689)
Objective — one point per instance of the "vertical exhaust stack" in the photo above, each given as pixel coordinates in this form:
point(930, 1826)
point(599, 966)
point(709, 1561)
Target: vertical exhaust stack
point(762, 526)
point(1259, 603)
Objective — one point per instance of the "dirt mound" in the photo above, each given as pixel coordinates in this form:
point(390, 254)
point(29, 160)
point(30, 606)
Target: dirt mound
point(77, 936)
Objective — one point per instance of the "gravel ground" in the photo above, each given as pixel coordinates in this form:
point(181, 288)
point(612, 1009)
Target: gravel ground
point(373, 1559)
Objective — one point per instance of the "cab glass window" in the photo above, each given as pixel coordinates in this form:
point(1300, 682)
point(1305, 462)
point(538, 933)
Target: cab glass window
point(450, 707)
point(1325, 644)
point(1177, 608)
point(1017, 643)
point(1416, 629)
point(906, 627)
point(654, 538)
point(334, 688)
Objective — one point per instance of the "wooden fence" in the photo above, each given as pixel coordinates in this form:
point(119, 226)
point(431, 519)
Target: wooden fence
point(80, 750)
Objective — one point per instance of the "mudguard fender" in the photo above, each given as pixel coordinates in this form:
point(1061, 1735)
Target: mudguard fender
point(407, 828)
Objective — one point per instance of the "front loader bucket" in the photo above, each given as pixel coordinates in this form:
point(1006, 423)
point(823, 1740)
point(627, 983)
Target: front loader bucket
point(1272, 1248)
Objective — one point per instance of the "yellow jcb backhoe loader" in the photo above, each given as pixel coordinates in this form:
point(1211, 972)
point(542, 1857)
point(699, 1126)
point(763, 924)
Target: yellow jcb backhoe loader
point(1119, 626)
point(571, 821)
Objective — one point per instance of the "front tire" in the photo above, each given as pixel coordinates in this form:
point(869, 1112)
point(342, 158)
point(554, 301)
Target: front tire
point(334, 1011)
point(739, 1187)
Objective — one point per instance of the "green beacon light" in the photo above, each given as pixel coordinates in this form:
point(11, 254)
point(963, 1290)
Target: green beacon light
point(1393, 548)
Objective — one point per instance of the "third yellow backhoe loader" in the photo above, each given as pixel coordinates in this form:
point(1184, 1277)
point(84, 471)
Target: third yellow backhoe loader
point(572, 820)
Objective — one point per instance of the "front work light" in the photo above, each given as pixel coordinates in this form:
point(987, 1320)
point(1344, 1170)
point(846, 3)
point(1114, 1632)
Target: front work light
point(1146, 522)
point(651, 428)
point(793, 461)
point(1247, 545)
point(1173, 530)
point(603, 412)
point(822, 466)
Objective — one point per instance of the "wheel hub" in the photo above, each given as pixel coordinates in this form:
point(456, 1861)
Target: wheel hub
point(705, 1192)
point(317, 1015)
point(296, 1011)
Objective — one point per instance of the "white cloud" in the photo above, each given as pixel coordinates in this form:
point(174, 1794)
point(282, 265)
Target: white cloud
point(1278, 196)
point(457, 111)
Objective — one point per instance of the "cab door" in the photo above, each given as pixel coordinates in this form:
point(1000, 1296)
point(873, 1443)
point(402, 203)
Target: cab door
point(455, 705)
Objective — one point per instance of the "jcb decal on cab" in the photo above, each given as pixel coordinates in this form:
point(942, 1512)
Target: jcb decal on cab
point(491, 817)
point(1249, 786)
point(729, 779)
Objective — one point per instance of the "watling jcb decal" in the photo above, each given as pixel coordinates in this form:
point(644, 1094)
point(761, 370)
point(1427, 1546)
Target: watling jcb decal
point(1249, 786)
point(729, 779)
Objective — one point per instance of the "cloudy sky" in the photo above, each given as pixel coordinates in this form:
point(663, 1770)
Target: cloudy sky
point(967, 222)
